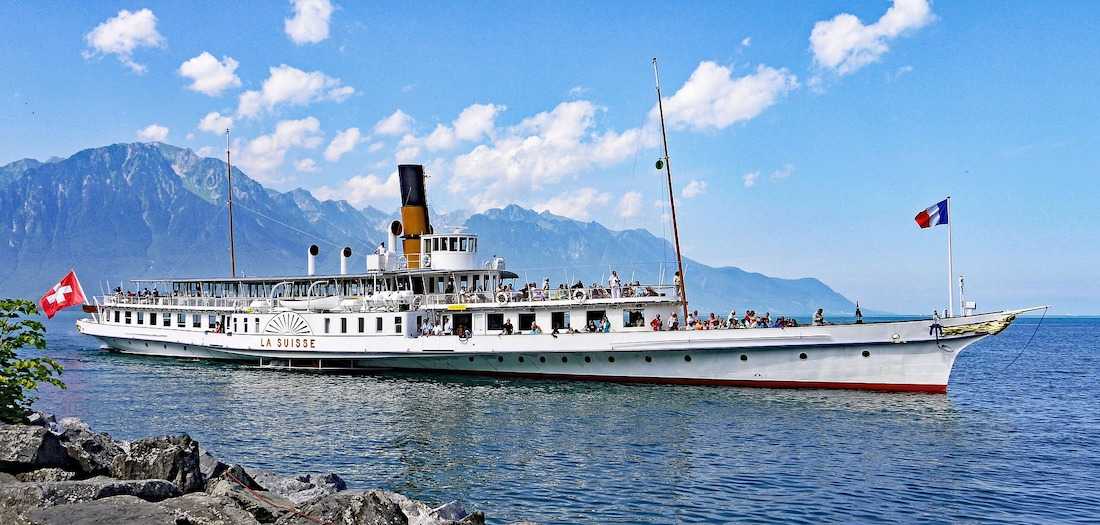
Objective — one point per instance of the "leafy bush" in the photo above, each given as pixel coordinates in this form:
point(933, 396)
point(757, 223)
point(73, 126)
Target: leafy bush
point(19, 377)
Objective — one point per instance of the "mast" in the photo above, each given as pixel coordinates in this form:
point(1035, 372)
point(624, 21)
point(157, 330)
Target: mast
point(950, 265)
point(229, 176)
point(671, 195)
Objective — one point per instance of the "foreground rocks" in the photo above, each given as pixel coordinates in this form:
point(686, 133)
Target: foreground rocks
point(64, 473)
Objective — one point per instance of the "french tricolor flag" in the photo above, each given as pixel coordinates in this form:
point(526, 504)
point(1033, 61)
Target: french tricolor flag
point(933, 216)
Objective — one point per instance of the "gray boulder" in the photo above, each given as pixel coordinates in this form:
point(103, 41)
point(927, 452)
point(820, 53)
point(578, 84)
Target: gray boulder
point(46, 474)
point(235, 474)
point(116, 510)
point(174, 458)
point(348, 508)
point(30, 447)
point(451, 513)
point(16, 499)
point(203, 509)
point(209, 464)
point(300, 489)
point(264, 506)
point(92, 453)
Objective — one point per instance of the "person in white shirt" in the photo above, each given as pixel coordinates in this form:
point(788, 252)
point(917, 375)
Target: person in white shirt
point(381, 249)
point(615, 284)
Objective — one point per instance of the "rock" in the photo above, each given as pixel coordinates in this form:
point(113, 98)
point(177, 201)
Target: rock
point(300, 489)
point(203, 509)
point(92, 453)
point(451, 513)
point(209, 464)
point(348, 508)
point(235, 474)
point(116, 510)
point(7, 478)
point(264, 506)
point(29, 447)
point(46, 474)
point(16, 499)
point(174, 458)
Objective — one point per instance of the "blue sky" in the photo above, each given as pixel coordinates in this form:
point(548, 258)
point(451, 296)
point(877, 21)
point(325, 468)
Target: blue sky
point(793, 156)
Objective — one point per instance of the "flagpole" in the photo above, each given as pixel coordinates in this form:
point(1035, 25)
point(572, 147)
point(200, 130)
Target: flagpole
point(682, 292)
point(950, 265)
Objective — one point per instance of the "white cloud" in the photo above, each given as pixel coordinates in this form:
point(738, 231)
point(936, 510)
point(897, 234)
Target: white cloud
point(577, 91)
point(153, 133)
point(362, 190)
point(473, 123)
point(215, 123)
point(375, 147)
point(746, 42)
point(694, 189)
point(898, 73)
point(208, 75)
point(122, 34)
point(630, 205)
point(306, 166)
point(844, 44)
point(342, 144)
point(262, 156)
point(542, 149)
point(576, 204)
point(712, 99)
point(397, 123)
point(782, 173)
point(207, 151)
point(310, 22)
point(289, 85)
point(750, 178)
point(190, 136)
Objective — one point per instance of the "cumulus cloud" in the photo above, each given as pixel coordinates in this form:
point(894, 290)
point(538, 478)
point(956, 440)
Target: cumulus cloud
point(152, 133)
point(290, 85)
point(306, 166)
point(473, 123)
point(576, 204)
point(843, 44)
point(215, 123)
point(712, 99)
point(746, 42)
point(540, 150)
point(210, 76)
point(398, 123)
point(750, 178)
point(375, 147)
point(122, 34)
point(262, 156)
point(363, 190)
point(310, 23)
point(342, 144)
point(694, 189)
point(630, 205)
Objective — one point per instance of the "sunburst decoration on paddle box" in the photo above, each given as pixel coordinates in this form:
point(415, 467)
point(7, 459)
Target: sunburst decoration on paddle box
point(288, 323)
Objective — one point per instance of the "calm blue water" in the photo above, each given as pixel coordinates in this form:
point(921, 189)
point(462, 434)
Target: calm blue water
point(1005, 445)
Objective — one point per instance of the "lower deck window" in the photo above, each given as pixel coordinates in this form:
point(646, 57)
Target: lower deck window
point(116, 315)
point(181, 320)
point(559, 320)
point(328, 324)
point(167, 319)
point(377, 324)
point(196, 321)
point(211, 322)
point(129, 315)
point(153, 318)
point(526, 321)
point(343, 325)
point(633, 318)
point(494, 321)
point(362, 324)
point(594, 316)
point(397, 325)
point(141, 318)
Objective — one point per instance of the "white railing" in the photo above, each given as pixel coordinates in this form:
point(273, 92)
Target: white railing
point(179, 301)
point(565, 295)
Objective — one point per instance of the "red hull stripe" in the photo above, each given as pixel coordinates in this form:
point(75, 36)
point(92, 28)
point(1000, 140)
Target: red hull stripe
point(877, 387)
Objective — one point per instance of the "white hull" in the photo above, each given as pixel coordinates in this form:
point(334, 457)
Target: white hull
point(897, 356)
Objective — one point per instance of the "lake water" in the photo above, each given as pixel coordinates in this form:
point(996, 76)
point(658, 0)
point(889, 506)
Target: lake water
point(1010, 444)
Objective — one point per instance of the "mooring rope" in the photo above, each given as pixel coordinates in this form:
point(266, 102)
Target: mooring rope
point(1021, 352)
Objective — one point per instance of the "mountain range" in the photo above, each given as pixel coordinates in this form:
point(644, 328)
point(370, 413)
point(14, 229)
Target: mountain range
point(154, 210)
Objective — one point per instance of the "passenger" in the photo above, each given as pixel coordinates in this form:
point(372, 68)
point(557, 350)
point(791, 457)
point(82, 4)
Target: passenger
point(590, 327)
point(674, 322)
point(606, 325)
point(678, 283)
point(535, 329)
point(819, 317)
point(508, 328)
point(859, 314)
point(655, 324)
point(731, 321)
point(381, 250)
point(615, 284)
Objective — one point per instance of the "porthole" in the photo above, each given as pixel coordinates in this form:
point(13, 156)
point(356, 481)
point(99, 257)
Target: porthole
point(802, 355)
point(866, 353)
point(687, 358)
point(471, 359)
point(744, 357)
point(521, 359)
point(542, 359)
point(587, 359)
point(648, 359)
point(610, 359)
point(564, 359)
point(500, 359)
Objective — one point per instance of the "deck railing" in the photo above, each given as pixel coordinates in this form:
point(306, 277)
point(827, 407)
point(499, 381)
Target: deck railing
point(625, 293)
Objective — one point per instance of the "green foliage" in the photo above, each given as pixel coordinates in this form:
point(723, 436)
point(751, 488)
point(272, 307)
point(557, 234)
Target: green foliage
point(19, 377)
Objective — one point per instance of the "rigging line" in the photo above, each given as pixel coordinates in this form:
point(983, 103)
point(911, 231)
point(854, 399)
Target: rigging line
point(1021, 352)
point(307, 234)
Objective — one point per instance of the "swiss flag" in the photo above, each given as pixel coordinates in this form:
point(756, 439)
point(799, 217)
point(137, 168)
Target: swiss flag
point(64, 294)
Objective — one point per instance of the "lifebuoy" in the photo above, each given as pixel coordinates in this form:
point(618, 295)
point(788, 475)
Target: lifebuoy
point(426, 261)
point(502, 297)
point(579, 295)
point(415, 305)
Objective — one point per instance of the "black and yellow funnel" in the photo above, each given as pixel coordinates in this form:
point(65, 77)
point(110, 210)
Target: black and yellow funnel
point(414, 211)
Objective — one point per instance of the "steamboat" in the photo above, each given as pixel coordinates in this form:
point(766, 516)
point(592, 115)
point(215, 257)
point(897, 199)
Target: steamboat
point(437, 305)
